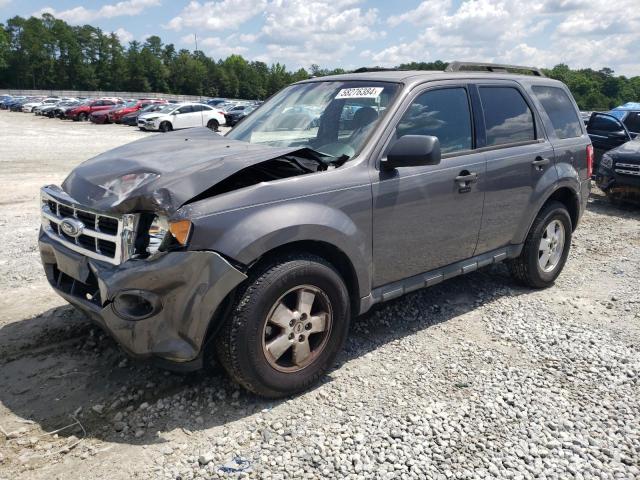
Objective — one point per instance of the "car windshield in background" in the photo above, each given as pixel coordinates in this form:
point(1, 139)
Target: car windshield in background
point(333, 118)
point(168, 108)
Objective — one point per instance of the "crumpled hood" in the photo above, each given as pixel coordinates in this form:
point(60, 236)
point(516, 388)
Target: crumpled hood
point(163, 172)
point(627, 152)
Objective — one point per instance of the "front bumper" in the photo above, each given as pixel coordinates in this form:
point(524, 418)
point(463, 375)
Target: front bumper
point(611, 179)
point(185, 289)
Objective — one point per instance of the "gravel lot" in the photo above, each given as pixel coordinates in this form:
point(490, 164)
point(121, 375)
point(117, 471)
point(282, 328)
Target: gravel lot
point(474, 378)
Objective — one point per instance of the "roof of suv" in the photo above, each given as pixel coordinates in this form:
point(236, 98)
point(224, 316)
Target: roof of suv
point(421, 76)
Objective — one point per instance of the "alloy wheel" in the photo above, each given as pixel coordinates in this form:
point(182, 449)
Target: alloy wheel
point(551, 246)
point(297, 328)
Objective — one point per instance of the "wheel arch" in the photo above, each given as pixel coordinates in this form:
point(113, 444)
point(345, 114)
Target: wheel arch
point(337, 258)
point(569, 198)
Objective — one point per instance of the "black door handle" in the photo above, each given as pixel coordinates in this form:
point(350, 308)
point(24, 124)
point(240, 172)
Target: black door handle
point(540, 162)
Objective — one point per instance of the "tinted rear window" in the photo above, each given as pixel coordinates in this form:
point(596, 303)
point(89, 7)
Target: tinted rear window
point(507, 117)
point(561, 111)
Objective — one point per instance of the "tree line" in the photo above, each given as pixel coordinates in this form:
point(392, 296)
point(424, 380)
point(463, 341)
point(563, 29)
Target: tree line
point(47, 53)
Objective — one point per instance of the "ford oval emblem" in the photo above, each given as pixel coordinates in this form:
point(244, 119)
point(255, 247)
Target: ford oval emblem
point(72, 227)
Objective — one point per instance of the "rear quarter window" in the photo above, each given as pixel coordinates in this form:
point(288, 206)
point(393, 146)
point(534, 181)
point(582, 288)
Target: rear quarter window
point(560, 110)
point(507, 117)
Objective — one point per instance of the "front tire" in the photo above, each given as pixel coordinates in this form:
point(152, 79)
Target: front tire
point(546, 248)
point(213, 125)
point(165, 127)
point(82, 117)
point(289, 323)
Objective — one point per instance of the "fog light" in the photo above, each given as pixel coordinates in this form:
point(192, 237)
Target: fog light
point(136, 304)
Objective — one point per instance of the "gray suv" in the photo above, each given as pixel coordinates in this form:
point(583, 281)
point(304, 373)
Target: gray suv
point(338, 193)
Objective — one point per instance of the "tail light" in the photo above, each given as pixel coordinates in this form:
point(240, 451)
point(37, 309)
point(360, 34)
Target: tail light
point(589, 161)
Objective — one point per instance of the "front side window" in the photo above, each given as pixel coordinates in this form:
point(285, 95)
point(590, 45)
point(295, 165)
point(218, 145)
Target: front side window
point(507, 117)
point(314, 115)
point(442, 113)
point(632, 122)
point(185, 109)
point(561, 111)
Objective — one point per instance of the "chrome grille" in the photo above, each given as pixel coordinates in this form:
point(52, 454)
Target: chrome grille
point(627, 168)
point(108, 238)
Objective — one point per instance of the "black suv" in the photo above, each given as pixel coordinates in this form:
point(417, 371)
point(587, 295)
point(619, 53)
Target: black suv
point(261, 245)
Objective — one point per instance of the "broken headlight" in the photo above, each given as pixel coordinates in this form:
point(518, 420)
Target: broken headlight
point(157, 233)
point(162, 234)
point(606, 161)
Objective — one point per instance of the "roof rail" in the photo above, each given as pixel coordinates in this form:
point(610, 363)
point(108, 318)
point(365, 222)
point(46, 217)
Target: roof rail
point(491, 67)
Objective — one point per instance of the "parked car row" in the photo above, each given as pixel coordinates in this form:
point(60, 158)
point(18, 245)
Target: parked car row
point(151, 114)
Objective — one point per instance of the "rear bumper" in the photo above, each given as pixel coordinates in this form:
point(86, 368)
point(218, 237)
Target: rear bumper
point(183, 290)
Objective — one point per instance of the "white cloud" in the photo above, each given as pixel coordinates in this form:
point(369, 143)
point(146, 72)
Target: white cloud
point(124, 36)
point(427, 12)
point(316, 31)
point(83, 15)
point(581, 33)
point(216, 15)
point(4, 3)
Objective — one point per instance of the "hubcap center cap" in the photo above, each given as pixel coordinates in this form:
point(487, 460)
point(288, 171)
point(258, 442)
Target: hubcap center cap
point(298, 327)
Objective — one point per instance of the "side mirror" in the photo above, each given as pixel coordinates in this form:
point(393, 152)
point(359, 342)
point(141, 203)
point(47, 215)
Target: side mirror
point(413, 151)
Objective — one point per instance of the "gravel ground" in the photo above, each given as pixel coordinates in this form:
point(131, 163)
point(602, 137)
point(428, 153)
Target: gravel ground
point(474, 378)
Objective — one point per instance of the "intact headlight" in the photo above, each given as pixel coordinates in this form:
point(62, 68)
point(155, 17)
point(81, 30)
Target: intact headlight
point(606, 161)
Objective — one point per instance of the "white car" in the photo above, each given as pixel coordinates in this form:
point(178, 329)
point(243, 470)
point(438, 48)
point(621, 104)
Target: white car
point(181, 115)
point(28, 107)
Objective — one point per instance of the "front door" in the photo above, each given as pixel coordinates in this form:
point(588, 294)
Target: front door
point(606, 132)
point(429, 216)
point(184, 117)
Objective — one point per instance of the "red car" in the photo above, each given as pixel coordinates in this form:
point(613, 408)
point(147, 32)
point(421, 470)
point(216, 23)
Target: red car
point(116, 114)
point(101, 116)
point(82, 112)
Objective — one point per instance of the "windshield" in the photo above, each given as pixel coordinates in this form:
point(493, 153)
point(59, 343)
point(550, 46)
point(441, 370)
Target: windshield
point(152, 108)
point(168, 108)
point(619, 114)
point(333, 118)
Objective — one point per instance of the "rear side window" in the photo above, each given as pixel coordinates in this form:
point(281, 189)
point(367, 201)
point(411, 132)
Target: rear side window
point(561, 111)
point(632, 121)
point(507, 117)
point(442, 113)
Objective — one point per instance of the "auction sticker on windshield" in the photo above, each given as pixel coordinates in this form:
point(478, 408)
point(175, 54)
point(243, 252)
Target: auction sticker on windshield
point(360, 92)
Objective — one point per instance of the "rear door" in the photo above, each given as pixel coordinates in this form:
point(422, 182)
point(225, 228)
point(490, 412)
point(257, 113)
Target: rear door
point(518, 157)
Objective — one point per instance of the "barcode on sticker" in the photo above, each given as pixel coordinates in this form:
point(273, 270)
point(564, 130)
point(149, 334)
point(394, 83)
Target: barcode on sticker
point(360, 92)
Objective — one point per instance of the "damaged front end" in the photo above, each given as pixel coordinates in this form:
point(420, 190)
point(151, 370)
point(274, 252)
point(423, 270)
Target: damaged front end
point(114, 245)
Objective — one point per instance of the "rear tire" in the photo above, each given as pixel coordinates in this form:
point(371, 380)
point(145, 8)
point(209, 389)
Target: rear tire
point(546, 248)
point(299, 303)
point(165, 127)
point(82, 117)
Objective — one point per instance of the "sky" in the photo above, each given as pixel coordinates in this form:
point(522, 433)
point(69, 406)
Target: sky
point(357, 33)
